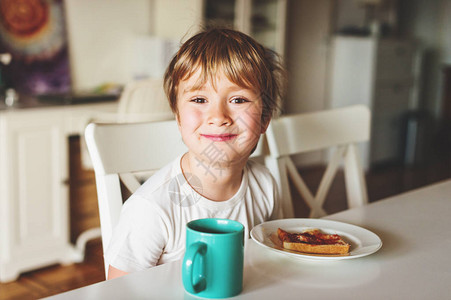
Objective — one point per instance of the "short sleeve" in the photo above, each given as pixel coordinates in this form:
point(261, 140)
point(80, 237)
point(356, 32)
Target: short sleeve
point(139, 238)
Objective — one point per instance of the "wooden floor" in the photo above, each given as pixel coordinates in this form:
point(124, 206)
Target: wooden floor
point(57, 279)
point(381, 182)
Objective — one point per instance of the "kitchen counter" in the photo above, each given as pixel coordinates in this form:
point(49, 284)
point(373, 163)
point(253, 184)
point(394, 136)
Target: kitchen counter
point(26, 101)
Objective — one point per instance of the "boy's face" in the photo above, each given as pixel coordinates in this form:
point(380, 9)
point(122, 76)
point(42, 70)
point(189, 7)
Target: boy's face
point(219, 121)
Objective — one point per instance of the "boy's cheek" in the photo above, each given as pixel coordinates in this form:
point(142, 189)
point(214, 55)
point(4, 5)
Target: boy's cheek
point(189, 119)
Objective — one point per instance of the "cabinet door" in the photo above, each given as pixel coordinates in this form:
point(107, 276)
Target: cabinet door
point(37, 154)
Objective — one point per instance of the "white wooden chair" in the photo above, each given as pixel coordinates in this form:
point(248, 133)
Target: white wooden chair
point(141, 101)
point(127, 153)
point(340, 129)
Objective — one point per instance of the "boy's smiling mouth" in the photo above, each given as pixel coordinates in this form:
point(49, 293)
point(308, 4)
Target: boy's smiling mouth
point(220, 137)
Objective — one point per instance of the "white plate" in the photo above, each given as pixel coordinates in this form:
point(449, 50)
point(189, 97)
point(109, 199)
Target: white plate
point(363, 242)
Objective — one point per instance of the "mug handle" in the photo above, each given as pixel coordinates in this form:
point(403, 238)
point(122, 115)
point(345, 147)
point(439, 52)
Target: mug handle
point(188, 268)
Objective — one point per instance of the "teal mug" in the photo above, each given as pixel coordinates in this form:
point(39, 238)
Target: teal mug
point(213, 262)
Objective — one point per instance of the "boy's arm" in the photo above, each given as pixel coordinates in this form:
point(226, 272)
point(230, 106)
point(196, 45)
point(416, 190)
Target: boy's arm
point(114, 273)
point(138, 239)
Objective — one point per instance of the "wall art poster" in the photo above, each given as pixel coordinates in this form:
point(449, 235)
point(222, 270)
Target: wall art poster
point(34, 32)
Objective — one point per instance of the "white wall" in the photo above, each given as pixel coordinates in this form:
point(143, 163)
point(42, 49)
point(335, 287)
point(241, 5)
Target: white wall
point(102, 34)
point(177, 19)
point(99, 35)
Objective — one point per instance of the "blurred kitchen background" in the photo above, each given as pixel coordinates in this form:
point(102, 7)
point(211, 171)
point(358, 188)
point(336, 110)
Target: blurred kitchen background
point(65, 63)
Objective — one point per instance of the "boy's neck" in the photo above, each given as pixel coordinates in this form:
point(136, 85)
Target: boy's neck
point(218, 182)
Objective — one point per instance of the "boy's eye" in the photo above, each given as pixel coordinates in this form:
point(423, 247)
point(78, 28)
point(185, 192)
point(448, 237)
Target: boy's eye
point(198, 100)
point(239, 100)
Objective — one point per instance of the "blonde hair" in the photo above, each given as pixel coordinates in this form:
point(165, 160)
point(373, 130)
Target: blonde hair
point(243, 61)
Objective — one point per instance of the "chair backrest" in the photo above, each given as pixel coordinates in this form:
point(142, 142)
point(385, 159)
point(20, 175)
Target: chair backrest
point(143, 101)
point(338, 129)
point(124, 153)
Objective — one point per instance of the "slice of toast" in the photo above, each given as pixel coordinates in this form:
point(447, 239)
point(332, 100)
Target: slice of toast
point(313, 241)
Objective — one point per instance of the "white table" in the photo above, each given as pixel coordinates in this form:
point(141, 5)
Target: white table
point(413, 263)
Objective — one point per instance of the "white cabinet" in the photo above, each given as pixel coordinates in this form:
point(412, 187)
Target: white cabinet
point(34, 211)
point(265, 20)
point(34, 222)
point(382, 74)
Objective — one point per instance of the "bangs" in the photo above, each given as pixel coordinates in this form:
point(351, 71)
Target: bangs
point(239, 62)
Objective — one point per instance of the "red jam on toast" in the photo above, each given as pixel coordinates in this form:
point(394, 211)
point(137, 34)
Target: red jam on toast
point(313, 241)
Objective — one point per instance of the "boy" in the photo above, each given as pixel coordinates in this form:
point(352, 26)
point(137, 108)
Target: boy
point(223, 88)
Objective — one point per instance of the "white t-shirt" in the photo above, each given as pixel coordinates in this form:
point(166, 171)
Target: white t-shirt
point(152, 224)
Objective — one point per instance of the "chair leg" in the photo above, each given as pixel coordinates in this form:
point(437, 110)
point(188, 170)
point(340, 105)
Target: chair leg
point(278, 170)
point(355, 179)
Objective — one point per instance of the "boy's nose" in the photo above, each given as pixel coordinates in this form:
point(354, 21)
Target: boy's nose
point(219, 115)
